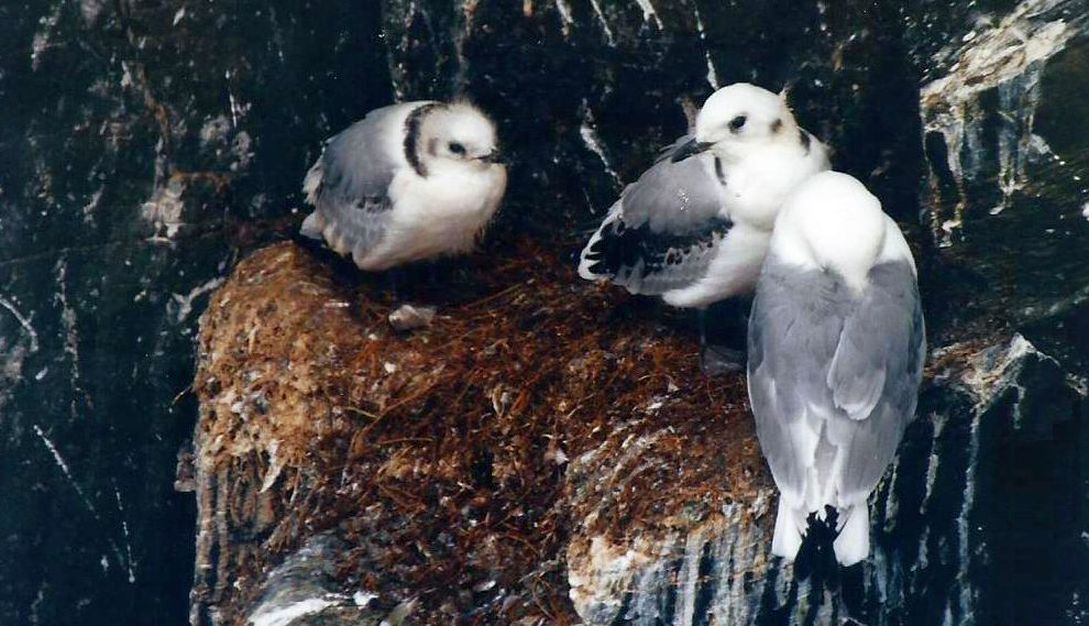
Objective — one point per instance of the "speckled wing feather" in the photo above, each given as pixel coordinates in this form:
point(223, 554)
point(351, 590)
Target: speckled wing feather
point(828, 374)
point(663, 232)
point(349, 184)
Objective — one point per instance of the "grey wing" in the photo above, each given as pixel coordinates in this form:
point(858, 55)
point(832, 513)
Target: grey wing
point(663, 232)
point(349, 184)
point(790, 345)
point(838, 374)
point(875, 373)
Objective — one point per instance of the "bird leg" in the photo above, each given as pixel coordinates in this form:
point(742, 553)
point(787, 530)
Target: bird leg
point(394, 276)
point(716, 359)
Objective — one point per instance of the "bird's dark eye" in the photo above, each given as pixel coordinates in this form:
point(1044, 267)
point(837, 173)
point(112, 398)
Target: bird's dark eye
point(456, 148)
point(737, 123)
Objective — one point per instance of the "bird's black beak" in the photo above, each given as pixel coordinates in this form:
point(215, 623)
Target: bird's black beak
point(494, 157)
point(690, 148)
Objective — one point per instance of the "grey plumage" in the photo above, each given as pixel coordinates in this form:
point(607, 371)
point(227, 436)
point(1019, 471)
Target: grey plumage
point(850, 367)
point(695, 227)
point(661, 234)
point(349, 183)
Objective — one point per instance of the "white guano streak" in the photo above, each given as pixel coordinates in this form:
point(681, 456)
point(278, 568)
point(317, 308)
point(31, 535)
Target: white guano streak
point(1010, 57)
point(23, 321)
point(567, 18)
point(712, 73)
point(649, 14)
point(282, 616)
point(609, 39)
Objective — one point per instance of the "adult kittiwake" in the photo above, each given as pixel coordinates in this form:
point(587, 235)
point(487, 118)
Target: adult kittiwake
point(836, 350)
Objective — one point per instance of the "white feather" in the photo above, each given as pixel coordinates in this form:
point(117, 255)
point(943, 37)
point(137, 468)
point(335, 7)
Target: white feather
point(787, 539)
point(443, 213)
point(439, 206)
point(846, 234)
point(853, 543)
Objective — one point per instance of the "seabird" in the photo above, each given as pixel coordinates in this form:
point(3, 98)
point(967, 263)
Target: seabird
point(408, 182)
point(836, 349)
point(694, 228)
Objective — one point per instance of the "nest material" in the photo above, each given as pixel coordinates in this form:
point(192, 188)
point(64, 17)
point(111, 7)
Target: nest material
point(458, 460)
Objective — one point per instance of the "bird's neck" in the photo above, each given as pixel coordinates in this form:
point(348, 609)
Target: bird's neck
point(842, 240)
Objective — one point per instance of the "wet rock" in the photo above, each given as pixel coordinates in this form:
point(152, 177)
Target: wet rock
point(303, 591)
point(1001, 110)
point(146, 146)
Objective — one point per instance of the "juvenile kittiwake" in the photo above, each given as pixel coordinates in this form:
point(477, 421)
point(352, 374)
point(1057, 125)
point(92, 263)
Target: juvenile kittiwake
point(408, 182)
point(836, 350)
point(695, 230)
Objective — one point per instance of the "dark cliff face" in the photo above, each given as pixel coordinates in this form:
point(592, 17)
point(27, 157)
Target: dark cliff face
point(144, 145)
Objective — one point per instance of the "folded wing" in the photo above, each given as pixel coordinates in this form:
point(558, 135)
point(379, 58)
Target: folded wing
point(349, 183)
point(833, 381)
point(663, 232)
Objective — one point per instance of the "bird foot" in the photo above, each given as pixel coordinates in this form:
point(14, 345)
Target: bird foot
point(719, 360)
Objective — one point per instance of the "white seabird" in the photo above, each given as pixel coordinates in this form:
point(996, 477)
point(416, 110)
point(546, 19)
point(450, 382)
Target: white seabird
point(408, 182)
point(695, 230)
point(836, 350)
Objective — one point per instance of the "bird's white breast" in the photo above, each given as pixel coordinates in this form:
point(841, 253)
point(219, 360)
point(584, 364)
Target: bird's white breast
point(733, 270)
point(442, 213)
point(759, 182)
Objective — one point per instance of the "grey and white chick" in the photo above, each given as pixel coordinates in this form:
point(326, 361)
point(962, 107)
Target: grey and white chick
point(408, 182)
point(836, 349)
point(694, 228)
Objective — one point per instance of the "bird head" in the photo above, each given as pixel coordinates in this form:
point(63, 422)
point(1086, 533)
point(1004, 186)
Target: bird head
point(460, 135)
point(737, 117)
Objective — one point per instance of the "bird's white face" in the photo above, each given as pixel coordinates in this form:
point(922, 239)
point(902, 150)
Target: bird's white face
point(459, 134)
point(744, 113)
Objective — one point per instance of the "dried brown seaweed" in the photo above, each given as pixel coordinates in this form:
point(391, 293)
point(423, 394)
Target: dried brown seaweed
point(441, 455)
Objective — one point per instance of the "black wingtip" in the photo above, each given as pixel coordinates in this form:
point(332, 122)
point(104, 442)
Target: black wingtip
point(817, 556)
point(597, 269)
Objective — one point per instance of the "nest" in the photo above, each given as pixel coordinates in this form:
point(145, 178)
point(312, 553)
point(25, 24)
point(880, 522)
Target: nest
point(457, 460)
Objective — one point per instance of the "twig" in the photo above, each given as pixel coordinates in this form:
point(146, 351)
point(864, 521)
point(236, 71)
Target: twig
point(492, 297)
point(387, 442)
point(409, 398)
point(367, 414)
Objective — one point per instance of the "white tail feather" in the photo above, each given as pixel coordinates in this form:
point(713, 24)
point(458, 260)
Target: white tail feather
point(851, 546)
point(789, 524)
point(853, 543)
point(584, 263)
point(312, 226)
